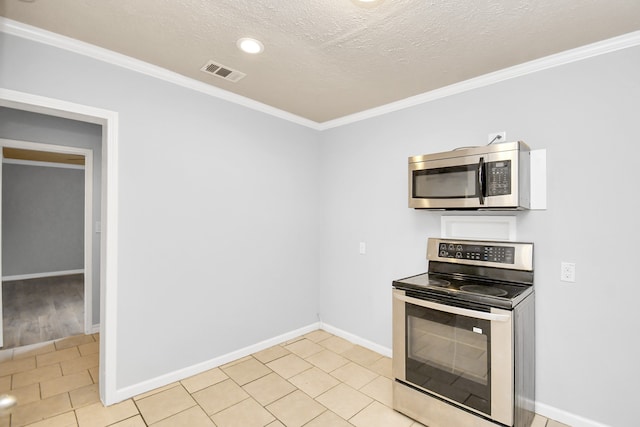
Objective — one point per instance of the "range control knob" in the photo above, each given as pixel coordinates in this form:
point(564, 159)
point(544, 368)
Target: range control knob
point(458, 254)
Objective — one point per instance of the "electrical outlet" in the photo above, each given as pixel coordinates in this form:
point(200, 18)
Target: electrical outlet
point(568, 271)
point(497, 136)
point(363, 248)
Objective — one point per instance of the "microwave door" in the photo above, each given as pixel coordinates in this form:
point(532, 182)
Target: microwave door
point(448, 183)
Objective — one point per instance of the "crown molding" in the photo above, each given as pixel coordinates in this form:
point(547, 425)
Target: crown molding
point(574, 55)
point(578, 54)
point(36, 34)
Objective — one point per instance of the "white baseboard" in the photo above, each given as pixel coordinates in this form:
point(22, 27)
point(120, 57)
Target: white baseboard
point(95, 328)
point(128, 392)
point(41, 275)
point(385, 351)
point(154, 383)
point(565, 417)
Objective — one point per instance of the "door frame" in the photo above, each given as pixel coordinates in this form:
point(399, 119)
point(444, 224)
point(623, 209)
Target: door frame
point(109, 218)
point(88, 217)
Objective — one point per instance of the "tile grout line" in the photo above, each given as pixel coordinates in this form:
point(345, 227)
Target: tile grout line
point(377, 366)
point(361, 410)
point(331, 388)
point(135, 403)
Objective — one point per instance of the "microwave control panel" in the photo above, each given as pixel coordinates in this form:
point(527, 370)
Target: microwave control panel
point(499, 254)
point(499, 178)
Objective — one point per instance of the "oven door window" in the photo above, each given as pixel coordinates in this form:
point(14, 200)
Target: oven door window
point(448, 354)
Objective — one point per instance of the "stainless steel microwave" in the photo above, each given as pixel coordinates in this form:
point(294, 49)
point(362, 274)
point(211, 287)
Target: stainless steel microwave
point(487, 177)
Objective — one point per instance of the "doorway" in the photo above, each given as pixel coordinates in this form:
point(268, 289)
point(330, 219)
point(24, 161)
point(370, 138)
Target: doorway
point(108, 120)
point(47, 261)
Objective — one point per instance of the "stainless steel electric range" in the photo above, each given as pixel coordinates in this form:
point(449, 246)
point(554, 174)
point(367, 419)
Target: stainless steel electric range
point(463, 336)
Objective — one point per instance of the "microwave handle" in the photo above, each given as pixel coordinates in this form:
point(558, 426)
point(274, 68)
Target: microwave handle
point(495, 317)
point(481, 181)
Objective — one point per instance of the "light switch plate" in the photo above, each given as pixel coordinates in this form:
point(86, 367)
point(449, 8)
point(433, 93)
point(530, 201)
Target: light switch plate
point(363, 248)
point(568, 271)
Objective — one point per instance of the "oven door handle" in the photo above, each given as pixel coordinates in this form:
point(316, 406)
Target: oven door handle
point(454, 310)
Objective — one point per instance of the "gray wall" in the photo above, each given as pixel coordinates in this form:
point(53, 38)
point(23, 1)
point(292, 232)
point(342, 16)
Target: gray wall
point(33, 127)
point(585, 115)
point(42, 219)
point(218, 212)
point(228, 217)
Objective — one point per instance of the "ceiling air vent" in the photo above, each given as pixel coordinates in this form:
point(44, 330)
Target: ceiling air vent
point(222, 71)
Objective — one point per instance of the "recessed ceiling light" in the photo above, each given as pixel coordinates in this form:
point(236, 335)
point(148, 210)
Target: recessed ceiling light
point(250, 45)
point(367, 3)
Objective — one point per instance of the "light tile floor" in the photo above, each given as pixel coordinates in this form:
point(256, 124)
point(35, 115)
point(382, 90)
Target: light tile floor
point(316, 380)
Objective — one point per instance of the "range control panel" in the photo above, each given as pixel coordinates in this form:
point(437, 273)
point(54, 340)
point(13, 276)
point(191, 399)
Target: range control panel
point(509, 255)
point(499, 254)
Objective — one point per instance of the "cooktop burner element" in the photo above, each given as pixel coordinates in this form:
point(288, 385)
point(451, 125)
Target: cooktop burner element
point(495, 274)
point(484, 290)
point(439, 282)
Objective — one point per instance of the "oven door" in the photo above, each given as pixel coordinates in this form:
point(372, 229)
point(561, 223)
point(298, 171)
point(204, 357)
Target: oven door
point(459, 354)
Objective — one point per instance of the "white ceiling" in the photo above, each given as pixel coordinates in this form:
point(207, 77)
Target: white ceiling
point(326, 59)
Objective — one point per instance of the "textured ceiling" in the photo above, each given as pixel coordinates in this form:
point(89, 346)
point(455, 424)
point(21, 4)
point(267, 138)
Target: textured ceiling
point(326, 59)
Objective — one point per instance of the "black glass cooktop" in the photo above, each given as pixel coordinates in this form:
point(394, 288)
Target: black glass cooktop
point(452, 287)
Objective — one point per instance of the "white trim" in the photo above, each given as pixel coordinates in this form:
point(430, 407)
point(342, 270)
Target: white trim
point(109, 218)
point(29, 32)
point(41, 275)
point(88, 240)
point(566, 417)
point(574, 55)
point(385, 351)
point(538, 179)
point(95, 329)
point(160, 381)
point(485, 227)
point(41, 164)
point(109, 260)
point(157, 382)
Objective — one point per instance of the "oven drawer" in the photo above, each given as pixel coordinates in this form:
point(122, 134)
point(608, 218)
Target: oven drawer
point(431, 411)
